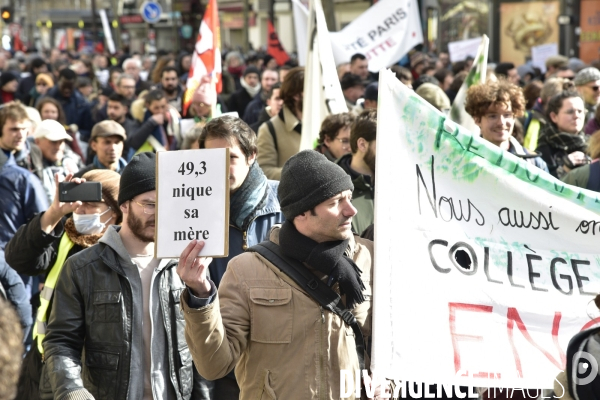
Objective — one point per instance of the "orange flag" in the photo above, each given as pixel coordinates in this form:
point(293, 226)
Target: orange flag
point(274, 47)
point(206, 59)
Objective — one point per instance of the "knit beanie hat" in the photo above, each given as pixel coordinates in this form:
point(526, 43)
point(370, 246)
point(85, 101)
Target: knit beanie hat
point(110, 188)
point(251, 70)
point(6, 77)
point(139, 176)
point(587, 75)
point(308, 179)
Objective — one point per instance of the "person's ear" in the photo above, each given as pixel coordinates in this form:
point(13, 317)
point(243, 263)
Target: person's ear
point(251, 158)
point(93, 144)
point(477, 121)
point(554, 117)
point(362, 145)
point(124, 207)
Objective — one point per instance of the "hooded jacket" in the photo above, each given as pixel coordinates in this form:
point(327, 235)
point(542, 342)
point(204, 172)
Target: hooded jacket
point(98, 311)
point(282, 343)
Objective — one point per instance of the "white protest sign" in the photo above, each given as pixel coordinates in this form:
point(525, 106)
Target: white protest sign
point(485, 265)
point(300, 13)
point(539, 54)
point(462, 49)
point(321, 82)
point(192, 201)
point(384, 33)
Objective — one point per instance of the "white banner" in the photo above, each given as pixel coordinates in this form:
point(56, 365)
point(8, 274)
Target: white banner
point(539, 55)
point(485, 265)
point(460, 50)
point(110, 43)
point(476, 75)
point(300, 13)
point(321, 82)
point(384, 34)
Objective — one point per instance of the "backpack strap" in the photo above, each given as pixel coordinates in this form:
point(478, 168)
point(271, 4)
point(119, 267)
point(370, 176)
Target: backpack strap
point(594, 179)
point(315, 287)
point(272, 131)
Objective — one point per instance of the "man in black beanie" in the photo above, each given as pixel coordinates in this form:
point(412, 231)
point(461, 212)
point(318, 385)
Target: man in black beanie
point(282, 342)
point(120, 304)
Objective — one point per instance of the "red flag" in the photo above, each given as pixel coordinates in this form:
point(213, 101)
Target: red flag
point(274, 47)
point(206, 59)
point(81, 41)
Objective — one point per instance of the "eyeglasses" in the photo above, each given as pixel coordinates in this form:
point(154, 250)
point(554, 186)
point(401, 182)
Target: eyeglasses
point(149, 208)
point(345, 142)
point(572, 111)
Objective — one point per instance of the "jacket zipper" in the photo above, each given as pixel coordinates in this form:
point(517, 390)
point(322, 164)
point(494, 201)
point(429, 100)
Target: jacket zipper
point(245, 233)
point(322, 375)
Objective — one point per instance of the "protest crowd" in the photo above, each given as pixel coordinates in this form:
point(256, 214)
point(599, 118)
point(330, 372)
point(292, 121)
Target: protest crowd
point(90, 313)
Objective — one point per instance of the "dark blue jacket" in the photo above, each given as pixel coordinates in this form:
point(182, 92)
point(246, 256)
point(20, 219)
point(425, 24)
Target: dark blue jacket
point(253, 110)
point(21, 197)
point(77, 111)
point(12, 285)
point(257, 232)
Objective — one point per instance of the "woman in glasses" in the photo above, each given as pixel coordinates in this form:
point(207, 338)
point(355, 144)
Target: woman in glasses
point(334, 137)
point(562, 142)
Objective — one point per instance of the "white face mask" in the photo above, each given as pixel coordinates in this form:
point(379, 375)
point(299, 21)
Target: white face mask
point(89, 224)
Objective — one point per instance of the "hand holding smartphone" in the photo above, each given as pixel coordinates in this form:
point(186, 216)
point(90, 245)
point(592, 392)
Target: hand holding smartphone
point(69, 192)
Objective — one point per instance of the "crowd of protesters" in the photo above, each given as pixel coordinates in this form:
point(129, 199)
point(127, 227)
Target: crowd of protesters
point(112, 326)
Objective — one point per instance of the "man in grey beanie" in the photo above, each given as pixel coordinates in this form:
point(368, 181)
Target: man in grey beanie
point(280, 340)
point(587, 82)
point(118, 305)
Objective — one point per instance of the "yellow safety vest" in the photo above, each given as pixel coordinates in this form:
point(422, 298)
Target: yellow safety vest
point(532, 135)
point(41, 320)
point(152, 145)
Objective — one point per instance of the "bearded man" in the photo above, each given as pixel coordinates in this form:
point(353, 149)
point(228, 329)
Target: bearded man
point(121, 305)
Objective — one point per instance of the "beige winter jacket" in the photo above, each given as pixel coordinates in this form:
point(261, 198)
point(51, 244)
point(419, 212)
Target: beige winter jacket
point(280, 341)
point(271, 156)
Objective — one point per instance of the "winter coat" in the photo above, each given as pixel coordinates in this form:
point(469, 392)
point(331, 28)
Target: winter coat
point(33, 252)
point(273, 152)
point(282, 343)
point(12, 287)
point(239, 101)
point(21, 197)
point(254, 108)
point(98, 310)
point(258, 231)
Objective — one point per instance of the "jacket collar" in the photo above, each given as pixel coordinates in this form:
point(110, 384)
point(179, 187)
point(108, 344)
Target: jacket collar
point(115, 254)
point(291, 122)
point(5, 159)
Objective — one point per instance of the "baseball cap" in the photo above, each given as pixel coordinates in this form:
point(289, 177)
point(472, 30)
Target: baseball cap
point(51, 130)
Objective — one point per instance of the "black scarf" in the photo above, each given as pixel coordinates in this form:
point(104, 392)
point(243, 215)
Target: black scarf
point(249, 197)
point(327, 257)
point(563, 141)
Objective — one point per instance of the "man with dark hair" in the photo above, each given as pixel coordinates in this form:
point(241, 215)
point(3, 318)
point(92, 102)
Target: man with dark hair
point(281, 341)
point(359, 65)
point(279, 137)
point(117, 306)
point(269, 78)
point(253, 206)
point(169, 83)
point(334, 136)
point(509, 72)
point(117, 108)
point(37, 66)
point(107, 145)
point(353, 89)
point(403, 75)
point(360, 166)
point(160, 130)
point(8, 87)
point(76, 108)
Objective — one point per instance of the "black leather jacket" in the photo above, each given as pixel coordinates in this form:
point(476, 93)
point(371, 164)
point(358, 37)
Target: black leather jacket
point(98, 307)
